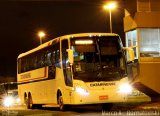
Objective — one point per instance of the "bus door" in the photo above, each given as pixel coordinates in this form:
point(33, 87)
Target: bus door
point(66, 67)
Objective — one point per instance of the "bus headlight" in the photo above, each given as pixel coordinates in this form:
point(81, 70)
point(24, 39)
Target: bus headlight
point(125, 88)
point(81, 91)
point(18, 100)
point(8, 101)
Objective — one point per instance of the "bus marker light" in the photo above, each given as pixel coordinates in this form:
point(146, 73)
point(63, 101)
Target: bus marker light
point(104, 97)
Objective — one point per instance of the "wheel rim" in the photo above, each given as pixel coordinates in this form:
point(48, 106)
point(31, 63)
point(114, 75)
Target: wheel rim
point(25, 100)
point(29, 104)
point(60, 102)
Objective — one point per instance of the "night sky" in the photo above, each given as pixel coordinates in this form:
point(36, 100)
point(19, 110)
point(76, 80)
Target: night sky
point(21, 20)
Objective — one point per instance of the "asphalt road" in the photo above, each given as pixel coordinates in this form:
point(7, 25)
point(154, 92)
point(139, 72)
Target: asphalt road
point(132, 109)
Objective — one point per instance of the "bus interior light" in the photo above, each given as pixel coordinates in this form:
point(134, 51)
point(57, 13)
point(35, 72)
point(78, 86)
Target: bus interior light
point(79, 42)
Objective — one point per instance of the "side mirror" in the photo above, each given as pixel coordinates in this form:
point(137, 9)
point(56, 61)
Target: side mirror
point(70, 56)
point(130, 53)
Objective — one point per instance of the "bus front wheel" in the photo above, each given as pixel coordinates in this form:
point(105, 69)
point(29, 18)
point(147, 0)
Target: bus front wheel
point(62, 107)
point(60, 102)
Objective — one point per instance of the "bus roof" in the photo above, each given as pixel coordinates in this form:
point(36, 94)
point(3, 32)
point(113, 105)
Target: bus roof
point(46, 44)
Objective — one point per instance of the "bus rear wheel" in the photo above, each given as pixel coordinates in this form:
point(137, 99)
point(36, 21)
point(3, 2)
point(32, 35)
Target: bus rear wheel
point(28, 101)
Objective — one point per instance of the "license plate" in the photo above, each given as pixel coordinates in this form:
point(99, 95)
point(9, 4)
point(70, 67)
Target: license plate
point(104, 97)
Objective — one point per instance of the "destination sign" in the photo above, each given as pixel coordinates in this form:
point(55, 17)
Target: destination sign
point(102, 84)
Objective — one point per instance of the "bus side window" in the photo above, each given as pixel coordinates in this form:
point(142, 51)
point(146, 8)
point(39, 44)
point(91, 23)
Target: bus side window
point(19, 65)
point(41, 58)
point(35, 62)
point(48, 58)
point(57, 64)
point(24, 65)
point(57, 55)
point(39, 62)
point(53, 58)
point(50, 64)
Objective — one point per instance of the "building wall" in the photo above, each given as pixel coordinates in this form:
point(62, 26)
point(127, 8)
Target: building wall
point(146, 14)
point(145, 19)
point(148, 5)
point(131, 6)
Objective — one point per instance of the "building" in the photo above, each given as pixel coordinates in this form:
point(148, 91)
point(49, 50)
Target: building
point(142, 31)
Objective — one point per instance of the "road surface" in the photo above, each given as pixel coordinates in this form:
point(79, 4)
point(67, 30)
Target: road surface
point(132, 109)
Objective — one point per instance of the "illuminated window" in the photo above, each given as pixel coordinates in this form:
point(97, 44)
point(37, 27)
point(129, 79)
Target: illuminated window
point(150, 42)
point(131, 40)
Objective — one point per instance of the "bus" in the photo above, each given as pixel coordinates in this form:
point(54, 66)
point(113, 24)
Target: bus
point(75, 69)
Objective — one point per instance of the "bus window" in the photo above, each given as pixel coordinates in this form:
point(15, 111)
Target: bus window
point(53, 60)
point(103, 60)
point(19, 65)
point(48, 58)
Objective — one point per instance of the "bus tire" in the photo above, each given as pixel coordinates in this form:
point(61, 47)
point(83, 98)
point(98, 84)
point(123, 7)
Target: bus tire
point(107, 106)
point(29, 102)
point(25, 98)
point(62, 107)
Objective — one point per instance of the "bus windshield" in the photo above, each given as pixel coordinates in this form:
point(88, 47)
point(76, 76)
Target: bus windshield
point(98, 59)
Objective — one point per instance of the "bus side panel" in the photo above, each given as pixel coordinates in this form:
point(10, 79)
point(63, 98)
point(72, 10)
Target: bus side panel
point(65, 90)
point(42, 92)
point(36, 82)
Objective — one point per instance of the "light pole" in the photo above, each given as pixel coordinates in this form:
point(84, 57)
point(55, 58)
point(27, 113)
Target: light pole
point(41, 34)
point(110, 7)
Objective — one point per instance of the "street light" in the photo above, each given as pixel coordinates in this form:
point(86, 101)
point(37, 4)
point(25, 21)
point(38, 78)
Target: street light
point(110, 7)
point(41, 34)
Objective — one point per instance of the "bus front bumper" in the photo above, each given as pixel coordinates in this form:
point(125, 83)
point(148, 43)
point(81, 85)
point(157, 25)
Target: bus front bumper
point(97, 97)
